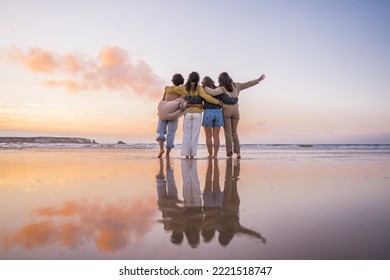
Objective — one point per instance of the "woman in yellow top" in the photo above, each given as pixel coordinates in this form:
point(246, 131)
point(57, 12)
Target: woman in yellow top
point(192, 120)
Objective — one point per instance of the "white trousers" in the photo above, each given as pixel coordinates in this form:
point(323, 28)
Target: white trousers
point(192, 123)
point(191, 185)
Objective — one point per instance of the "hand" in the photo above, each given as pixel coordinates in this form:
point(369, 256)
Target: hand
point(262, 77)
point(220, 103)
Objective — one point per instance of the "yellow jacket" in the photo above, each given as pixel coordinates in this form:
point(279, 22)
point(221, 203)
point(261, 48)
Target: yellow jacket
point(198, 92)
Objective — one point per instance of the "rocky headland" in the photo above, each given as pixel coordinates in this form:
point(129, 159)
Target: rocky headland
point(47, 140)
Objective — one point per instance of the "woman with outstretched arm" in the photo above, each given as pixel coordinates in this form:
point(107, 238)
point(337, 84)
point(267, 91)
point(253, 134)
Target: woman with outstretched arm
point(231, 113)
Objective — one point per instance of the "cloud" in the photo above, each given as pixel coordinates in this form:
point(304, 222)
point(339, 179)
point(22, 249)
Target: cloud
point(111, 70)
point(37, 60)
point(70, 85)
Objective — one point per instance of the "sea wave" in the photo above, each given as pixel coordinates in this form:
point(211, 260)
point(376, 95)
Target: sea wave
point(317, 146)
point(292, 147)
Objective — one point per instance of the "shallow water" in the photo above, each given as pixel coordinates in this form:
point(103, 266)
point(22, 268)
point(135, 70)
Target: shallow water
point(127, 204)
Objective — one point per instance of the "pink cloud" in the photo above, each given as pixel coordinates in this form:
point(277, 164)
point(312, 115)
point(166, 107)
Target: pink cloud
point(72, 63)
point(70, 85)
point(36, 59)
point(111, 70)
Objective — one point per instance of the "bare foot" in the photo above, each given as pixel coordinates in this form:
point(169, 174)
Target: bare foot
point(238, 155)
point(161, 153)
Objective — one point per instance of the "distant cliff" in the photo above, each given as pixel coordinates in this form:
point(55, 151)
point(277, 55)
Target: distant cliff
point(45, 140)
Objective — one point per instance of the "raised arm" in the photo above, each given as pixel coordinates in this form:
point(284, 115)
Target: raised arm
point(251, 83)
point(249, 232)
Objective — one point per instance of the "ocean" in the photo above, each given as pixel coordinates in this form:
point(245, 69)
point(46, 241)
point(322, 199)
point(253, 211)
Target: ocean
point(249, 151)
point(295, 147)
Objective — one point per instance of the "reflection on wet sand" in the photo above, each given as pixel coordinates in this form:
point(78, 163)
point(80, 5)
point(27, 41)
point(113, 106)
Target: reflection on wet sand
point(230, 225)
point(168, 201)
point(101, 204)
point(111, 226)
point(76, 223)
point(217, 212)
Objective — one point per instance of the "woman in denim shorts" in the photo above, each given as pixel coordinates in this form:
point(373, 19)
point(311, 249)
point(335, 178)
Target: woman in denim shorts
point(213, 119)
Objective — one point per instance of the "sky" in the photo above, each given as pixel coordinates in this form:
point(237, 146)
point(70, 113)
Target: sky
point(97, 69)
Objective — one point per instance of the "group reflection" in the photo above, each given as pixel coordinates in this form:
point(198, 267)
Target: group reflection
point(201, 214)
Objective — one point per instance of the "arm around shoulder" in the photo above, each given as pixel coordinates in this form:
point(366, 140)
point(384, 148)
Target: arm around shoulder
point(226, 99)
point(214, 91)
point(208, 97)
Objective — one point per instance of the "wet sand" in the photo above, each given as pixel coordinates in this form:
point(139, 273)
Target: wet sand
point(127, 204)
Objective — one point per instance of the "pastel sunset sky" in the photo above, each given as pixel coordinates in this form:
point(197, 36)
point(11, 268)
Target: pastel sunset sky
point(97, 69)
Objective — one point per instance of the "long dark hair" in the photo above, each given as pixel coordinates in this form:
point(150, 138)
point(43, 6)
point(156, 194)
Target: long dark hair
point(225, 81)
point(192, 82)
point(208, 82)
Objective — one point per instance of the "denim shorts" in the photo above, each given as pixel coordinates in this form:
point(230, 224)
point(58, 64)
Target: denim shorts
point(212, 118)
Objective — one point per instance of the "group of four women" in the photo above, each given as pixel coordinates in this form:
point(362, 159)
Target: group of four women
point(219, 106)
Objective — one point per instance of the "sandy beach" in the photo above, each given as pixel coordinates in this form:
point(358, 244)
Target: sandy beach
point(127, 204)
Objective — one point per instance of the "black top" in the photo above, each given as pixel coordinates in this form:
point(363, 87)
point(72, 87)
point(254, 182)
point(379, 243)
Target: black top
point(224, 98)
